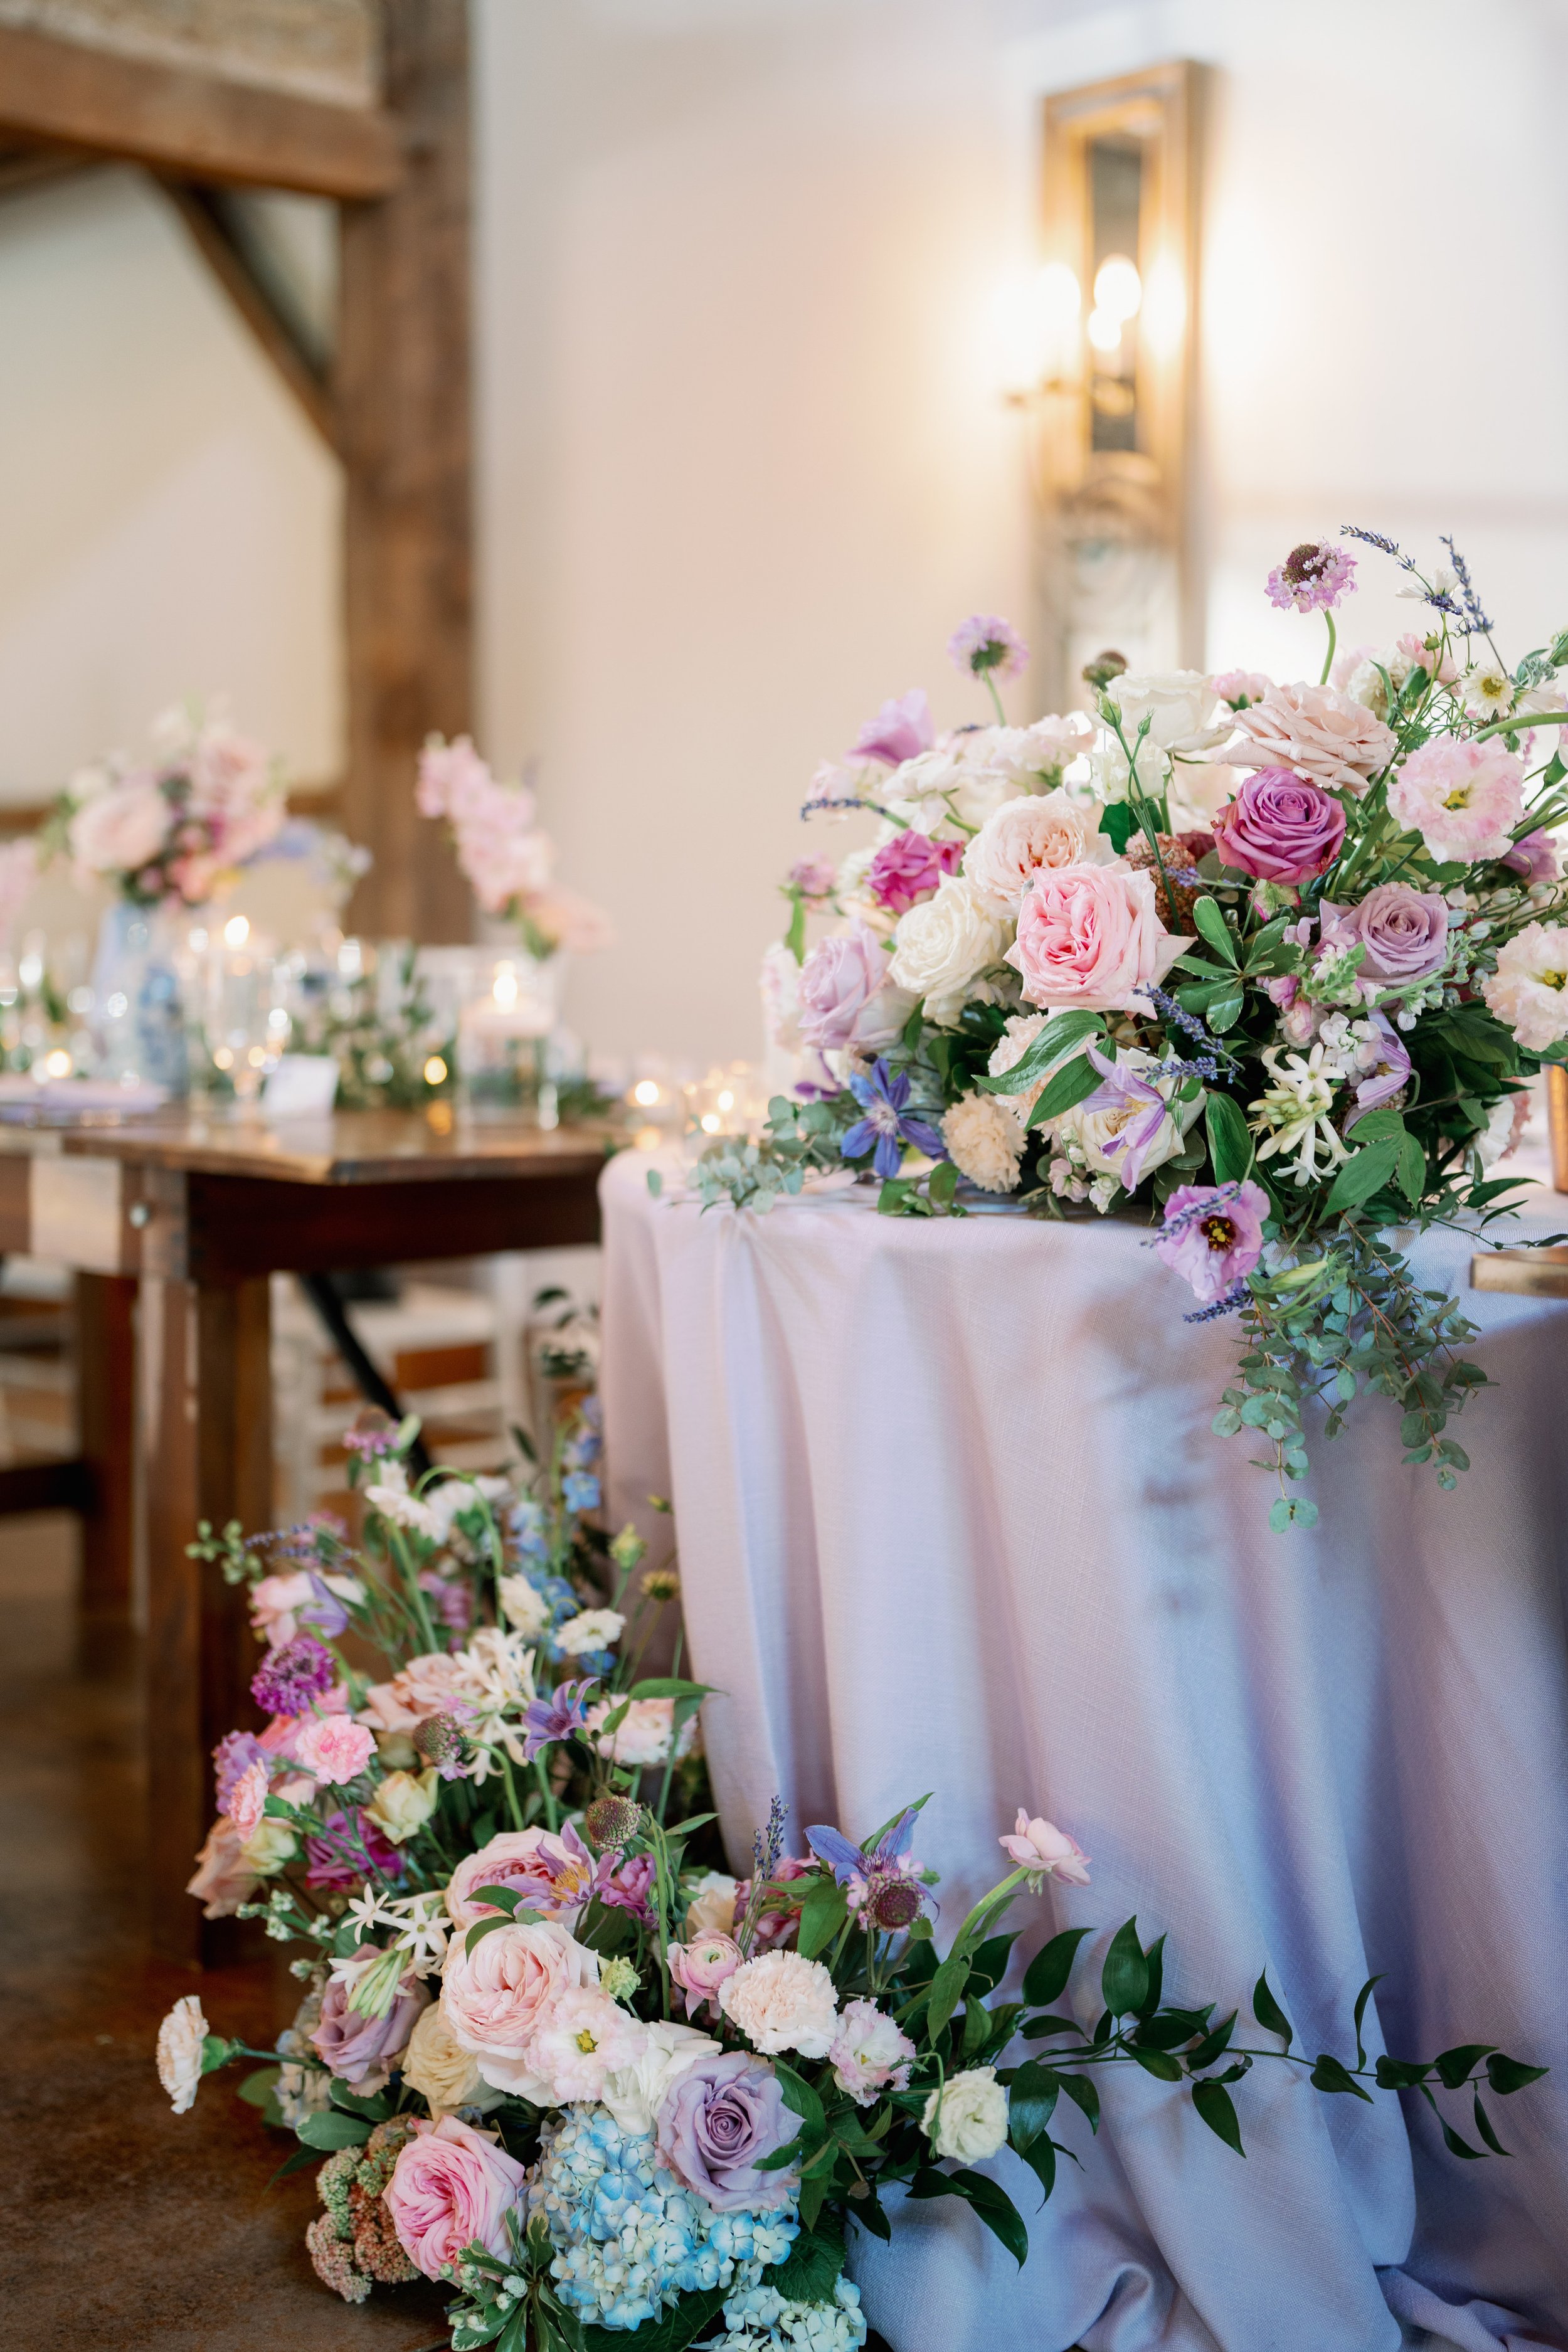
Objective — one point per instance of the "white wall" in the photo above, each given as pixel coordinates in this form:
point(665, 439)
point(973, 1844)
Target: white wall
point(169, 523)
point(742, 461)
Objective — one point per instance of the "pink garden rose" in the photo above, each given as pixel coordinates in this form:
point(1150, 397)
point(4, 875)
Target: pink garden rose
point(1022, 835)
point(1318, 732)
point(1403, 931)
point(1462, 798)
point(908, 867)
point(1279, 828)
point(1037, 1846)
point(518, 1858)
point(334, 1748)
point(450, 2185)
point(701, 1966)
point(1091, 936)
point(118, 831)
point(1213, 1235)
point(838, 982)
point(496, 1997)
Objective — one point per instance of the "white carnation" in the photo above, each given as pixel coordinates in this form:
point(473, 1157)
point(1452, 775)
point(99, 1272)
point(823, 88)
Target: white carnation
point(984, 1140)
point(944, 944)
point(182, 2038)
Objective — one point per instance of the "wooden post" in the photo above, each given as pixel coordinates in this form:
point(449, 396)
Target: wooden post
point(401, 388)
point(106, 1440)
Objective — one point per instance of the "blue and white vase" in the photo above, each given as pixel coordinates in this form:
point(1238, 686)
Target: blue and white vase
point(139, 1011)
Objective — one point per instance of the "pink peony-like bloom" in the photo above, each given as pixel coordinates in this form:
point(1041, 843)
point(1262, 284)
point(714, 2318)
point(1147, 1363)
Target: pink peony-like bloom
point(450, 2186)
point(1091, 936)
point(1318, 732)
point(901, 730)
point(1312, 578)
point(1535, 858)
point(1404, 933)
point(838, 981)
point(1037, 1846)
point(496, 1997)
point(908, 867)
point(545, 1871)
point(642, 1737)
point(1279, 828)
point(1213, 1235)
point(869, 2052)
point(701, 1966)
point(1240, 687)
point(582, 2037)
point(429, 1685)
point(334, 1748)
point(1462, 798)
point(247, 1799)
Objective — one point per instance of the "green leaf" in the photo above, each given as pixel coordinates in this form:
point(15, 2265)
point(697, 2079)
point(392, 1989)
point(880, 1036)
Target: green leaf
point(1217, 2109)
point(375, 2109)
point(799, 2097)
point(1410, 1170)
point(823, 1913)
point(1124, 1979)
point(295, 2163)
point(1269, 2013)
point(988, 1965)
point(993, 2205)
point(690, 2318)
point(1230, 1145)
point(1155, 1959)
point(946, 1992)
point(1117, 824)
point(1040, 2156)
point(1211, 922)
point(1381, 1127)
point(1045, 1978)
point(655, 1182)
point(670, 1686)
point(1225, 1010)
point(1329, 2075)
point(1400, 2073)
point(1213, 2045)
point(1366, 1172)
point(257, 2089)
point(1031, 2103)
point(1071, 1083)
point(1084, 2094)
point(503, 1898)
point(1064, 1029)
point(1157, 2062)
point(1361, 1999)
point(1506, 2075)
point(330, 2129)
point(1454, 2065)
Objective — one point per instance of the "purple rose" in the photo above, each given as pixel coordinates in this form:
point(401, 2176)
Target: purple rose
point(353, 2047)
point(718, 2122)
point(1279, 828)
point(908, 867)
point(837, 981)
point(1403, 931)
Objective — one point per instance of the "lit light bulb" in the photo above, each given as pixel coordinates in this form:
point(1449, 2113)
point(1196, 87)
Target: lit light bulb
point(646, 1092)
point(236, 931)
point(1104, 332)
point(711, 1122)
point(435, 1071)
point(726, 1101)
point(1118, 288)
point(505, 989)
point(58, 1064)
point(1032, 316)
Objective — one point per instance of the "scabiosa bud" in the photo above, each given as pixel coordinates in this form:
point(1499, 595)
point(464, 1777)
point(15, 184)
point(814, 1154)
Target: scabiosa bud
point(442, 1740)
point(304, 1670)
point(1099, 672)
point(612, 1820)
point(896, 1903)
point(661, 1584)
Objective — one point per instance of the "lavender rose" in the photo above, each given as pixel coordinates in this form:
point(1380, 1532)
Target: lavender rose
point(716, 2125)
point(1403, 931)
point(360, 2050)
point(1279, 828)
point(839, 985)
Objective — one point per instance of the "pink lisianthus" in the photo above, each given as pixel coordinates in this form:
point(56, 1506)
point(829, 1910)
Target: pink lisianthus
point(901, 730)
point(815, 877)
point(869, 2052)
point(582, 2037)
point(1037, 1846)
point(450, 2186)
point(1213, 1235)
point(1462, 798)
point(276, 1603)
point(334, 1748)
point(908, 868)
point(701, 1966)
point(1090, 937)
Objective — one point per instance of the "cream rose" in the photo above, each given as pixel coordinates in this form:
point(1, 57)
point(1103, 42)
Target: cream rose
point(712, 1910)
point(634, 2093)
point(781, 2001)
point(1320, 733)
point(271, 1845)
point(405, 1803)
point(497, 1997)
point(1091, 936)
point(444, 2074)
point(963, 779)
point(943, 945)
point(967, 2120)
point(1011, 846)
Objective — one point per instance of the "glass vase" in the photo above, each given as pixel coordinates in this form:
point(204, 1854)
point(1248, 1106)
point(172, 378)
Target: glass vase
point(139, 1011)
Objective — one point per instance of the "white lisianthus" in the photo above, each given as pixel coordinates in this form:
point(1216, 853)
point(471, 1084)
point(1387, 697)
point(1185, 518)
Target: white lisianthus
point(590, 1629)
point(944, 944)
point(634, 2093)
point(526, 1610)
point(391, 1498)
point(967, 2118)
point(984, 1138)
point(182, 2040)
point(1529, 990)
point(1113, 774)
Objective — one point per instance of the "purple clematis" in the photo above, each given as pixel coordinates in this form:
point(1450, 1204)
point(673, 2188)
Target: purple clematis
point(1125, 1090)
point(558, 1715)
point(1391, 1071)
point(847, 1861)
point(882, 1097)
point(881, 1882)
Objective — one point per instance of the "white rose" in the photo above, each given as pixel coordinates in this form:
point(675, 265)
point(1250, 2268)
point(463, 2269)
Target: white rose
point(180, 2040)
point(781, 2001)
point(711, 1909)
point(942, 946)
point(524, 1609)
point(634, 2093)
point(780, 985)
point(1112, 776)
point(1179, 705)
point(443, 2072)
point(404, 1803)
point(967, 2118)
point(1029, 754)
point(1093, 1131)
point(1045, 829)
point(964, 779)
point(590, 1629)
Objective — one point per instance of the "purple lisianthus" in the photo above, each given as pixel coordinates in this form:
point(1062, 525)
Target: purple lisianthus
point(838, 982)
point(1213, 1235)
point(1279, 828)
point(986, 645)
point(1403, 931)
point(881, 1097)
point(1312, 578)
point(294, 1676)
point(908, 867)
point(901, 730)
point(347, 1842)
point(1389, 1075)
point(353, 2047)
point(233, 1756)
point(625, 1884)
point(716, 2125)
point(1533, 859)
point(557, 1715)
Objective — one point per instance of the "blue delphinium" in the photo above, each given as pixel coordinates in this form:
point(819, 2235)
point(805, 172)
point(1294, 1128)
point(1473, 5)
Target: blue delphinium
point(529, 1527)
point(759, 2319)
point(630, 2239)
point(580, 1491)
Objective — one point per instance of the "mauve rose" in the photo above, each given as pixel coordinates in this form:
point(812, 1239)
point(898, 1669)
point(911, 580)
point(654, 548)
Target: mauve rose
point(1403, 931)
point(1279, 828)
point(450, 2185)
point(908, 867)
point(716, 2126)
point(838, 982)
point(352, 2046)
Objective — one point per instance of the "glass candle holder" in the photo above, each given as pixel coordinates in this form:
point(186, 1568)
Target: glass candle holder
point(502, 1033)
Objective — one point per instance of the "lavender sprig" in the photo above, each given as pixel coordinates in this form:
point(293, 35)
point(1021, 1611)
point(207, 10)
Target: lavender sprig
point(1236, 1296)
point(1215, 1050)
point(1476, 620)
point(766, 1855)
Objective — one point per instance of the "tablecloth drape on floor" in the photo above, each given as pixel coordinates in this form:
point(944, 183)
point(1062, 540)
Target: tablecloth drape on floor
point(952, 1518)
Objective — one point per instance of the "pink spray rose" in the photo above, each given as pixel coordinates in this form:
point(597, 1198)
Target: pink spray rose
point(450, 2185)
point(701, 1966)
point(908, 867)
point(1405, 932)
point(1213, 1235)
point(1091, 936)
point(334, 1748)
point(1037, 1846)
point(1279, 828)
point(1463, 799)
point(838, 982)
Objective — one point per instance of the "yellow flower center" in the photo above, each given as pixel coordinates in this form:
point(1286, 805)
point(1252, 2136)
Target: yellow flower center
point(586, 2044)
point(1458, 798)
point(1553, 978)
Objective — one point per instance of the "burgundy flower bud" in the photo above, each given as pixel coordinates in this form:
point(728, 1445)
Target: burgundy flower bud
point(612, 1820)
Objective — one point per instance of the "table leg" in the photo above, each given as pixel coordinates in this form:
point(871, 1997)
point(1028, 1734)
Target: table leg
point(207, 1390)
point(106, 1438)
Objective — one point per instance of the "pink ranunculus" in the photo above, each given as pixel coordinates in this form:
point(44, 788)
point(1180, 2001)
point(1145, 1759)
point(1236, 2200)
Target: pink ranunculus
point(247, 1799)
point(496, 1997)
point(1213, 1235)
point(1462, 798)
point(450, 2186)
point(1090, 937)
point(908, 868)
point(1240, 687)
point(223, 1879)
point(1405, 932)
point(1037, 1846)
point(334, 1748)
point(701, 1966)
point(1318, 732)
point(838, 982)
point(1279, 828)
point(520, 1859)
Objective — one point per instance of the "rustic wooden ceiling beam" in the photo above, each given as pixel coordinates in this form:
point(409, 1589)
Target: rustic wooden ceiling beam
point(201, 126)
point(226, 257)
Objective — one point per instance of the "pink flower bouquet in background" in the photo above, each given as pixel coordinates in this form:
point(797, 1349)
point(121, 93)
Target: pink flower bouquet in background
point(1269, 964)
point(507, 859)
point(175, 828)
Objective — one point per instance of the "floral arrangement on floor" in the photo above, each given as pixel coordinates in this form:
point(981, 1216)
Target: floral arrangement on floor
point(174, 828)
point(1271, 964)
point(606, 2091)
point(506, 859)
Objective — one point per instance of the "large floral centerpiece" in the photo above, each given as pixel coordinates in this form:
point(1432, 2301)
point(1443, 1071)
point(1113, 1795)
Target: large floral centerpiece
point(554, 2057)
point(1271, 964)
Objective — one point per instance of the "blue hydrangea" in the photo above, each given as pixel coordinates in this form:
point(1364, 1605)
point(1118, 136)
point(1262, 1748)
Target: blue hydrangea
point(580, 1491)
point(758, 2319)
point(630, 2239)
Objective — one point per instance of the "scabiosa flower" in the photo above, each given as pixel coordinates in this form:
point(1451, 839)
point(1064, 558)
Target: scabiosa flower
point(1312, 578)
point(556, 1716)
point(294, 1676)
point(886, 1125)
point(985, 644)
point(1213, 1234)
point(613, 1821)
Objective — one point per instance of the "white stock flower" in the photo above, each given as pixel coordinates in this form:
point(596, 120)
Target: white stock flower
point(590, 1629)
point(984, 1140)
point(1529, 990)
point(180, 2040)
point(943, 945)
point(967, 2118)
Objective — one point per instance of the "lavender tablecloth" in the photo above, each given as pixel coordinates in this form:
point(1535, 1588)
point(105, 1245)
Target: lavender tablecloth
point(952, 1518)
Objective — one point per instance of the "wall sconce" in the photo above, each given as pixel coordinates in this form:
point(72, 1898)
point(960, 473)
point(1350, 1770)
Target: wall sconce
point(1095, 349)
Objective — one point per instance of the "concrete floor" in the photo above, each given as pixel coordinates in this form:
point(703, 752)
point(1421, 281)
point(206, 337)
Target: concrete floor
point(128, 2227)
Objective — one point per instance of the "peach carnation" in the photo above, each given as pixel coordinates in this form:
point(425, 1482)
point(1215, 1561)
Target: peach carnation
point(781, 2001)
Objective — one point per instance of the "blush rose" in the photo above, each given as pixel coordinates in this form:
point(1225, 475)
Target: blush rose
point(450, 2186)
point(1091, 936)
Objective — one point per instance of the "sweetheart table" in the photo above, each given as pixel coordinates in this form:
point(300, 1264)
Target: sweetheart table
point(952, 1518)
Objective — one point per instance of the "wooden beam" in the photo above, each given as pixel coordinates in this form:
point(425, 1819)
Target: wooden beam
point(401, 390)
point(202, 125)
point(31, 167)
point(225, 257)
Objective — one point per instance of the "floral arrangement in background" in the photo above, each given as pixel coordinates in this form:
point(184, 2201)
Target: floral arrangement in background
point(551, 2054)
point(509, 861)
point(174, 828)
point(1273, 962)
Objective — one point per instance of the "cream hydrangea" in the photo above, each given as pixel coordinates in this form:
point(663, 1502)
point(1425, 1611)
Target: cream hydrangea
point(984, 1140)
point(1529, 990)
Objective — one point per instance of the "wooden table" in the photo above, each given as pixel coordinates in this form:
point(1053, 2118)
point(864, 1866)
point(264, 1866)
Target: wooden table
point(200, 1208)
